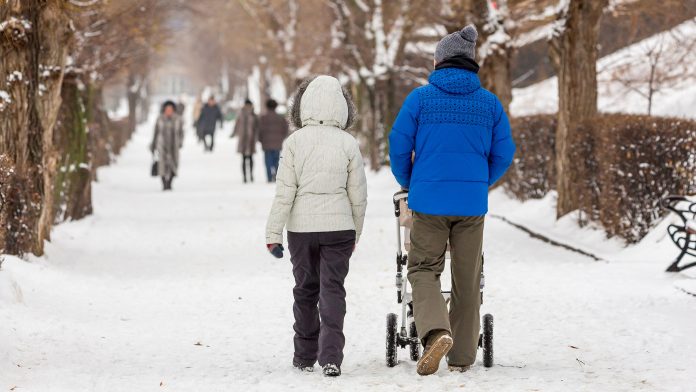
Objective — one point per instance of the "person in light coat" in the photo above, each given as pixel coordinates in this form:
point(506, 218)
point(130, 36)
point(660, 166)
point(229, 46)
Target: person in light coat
point(246, 129)
point(321, 196)
point(166, 142)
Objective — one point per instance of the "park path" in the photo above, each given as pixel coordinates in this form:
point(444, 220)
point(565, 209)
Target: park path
point(176, 292)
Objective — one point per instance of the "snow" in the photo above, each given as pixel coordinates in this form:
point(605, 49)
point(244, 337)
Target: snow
point(687, 285)
point(677, 99)
point(120, 111)
point(5, 99)
point(175, 291)
point(15, 76)
point(540, 217)
point(13, 21)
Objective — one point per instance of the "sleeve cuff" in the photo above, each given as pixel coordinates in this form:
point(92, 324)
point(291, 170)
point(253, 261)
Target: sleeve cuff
point(274, 239)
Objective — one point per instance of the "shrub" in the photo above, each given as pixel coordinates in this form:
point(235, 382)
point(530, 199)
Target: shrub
point(533, 172)
point(626, 164)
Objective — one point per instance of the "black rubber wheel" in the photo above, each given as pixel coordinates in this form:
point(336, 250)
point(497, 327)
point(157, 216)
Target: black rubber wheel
point(487, 340)
point(414, 351)
point(391, 340)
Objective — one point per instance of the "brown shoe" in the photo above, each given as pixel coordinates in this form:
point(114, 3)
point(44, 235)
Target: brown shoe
point(458, 368)
point(438, 345)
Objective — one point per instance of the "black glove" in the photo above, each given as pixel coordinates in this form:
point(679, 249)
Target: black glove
point(276, 250)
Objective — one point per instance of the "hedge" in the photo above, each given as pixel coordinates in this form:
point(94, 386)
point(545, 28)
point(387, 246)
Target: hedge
point(624, 165)
point(533, 172)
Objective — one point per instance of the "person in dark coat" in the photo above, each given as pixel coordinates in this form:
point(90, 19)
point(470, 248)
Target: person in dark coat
point(246, 130)
point(167, 141)
point(180, 107)
point(207, 122)
point(273, 129)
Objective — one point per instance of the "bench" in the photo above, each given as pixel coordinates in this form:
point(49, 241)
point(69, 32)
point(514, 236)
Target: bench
point(683, 233)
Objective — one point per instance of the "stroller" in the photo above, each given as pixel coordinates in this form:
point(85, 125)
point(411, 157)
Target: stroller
point(406, 334)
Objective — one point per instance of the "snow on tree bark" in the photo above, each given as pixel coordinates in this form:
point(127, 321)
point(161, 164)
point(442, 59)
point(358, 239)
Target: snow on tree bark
point(35, 39)
point(574, 50)
point(494, 43)
point(372, 38)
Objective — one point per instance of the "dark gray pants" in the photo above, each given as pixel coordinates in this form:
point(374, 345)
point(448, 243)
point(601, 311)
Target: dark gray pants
point(320, 266)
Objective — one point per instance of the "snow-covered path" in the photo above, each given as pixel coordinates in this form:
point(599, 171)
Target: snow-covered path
point(176, 292)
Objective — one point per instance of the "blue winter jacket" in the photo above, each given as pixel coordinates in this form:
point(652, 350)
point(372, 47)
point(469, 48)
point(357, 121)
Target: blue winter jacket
point(461, 141)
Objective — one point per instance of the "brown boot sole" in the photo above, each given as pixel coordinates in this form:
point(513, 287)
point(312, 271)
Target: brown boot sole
point(430, 361)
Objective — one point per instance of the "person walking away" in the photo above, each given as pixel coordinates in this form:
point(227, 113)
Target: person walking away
point(246, 130)
point(207, 123)
point(273, 129)
point(461, 139)
point(167, 142)
point(180, 106)
point(197, 108)
point(321, 195)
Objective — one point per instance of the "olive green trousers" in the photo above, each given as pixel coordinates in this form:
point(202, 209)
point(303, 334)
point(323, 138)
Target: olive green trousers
point(430, 237)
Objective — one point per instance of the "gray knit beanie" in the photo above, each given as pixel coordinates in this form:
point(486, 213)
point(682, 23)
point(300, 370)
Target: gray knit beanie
point(456, 44)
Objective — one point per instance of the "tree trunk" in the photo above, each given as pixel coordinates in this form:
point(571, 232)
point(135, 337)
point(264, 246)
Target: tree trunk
point(495, 76)
point(576, 54)
point(365, 102)
point(135, 84)
point(73, 182)
point(34, 46)
point(376, 124)
point(264, 85)
point(651, 87)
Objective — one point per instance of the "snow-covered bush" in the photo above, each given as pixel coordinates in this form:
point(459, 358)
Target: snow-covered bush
point(533, 172)
point(626, 163)
point(623, 166)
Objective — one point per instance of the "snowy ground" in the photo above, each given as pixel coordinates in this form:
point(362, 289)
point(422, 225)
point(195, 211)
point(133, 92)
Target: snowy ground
point(676, 98)
point(176, 292)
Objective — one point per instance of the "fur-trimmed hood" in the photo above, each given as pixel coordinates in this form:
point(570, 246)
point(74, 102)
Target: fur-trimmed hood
point(322, 101)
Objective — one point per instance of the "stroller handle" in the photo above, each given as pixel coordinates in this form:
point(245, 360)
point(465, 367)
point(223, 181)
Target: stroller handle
point(402, 194)
point(398, 196)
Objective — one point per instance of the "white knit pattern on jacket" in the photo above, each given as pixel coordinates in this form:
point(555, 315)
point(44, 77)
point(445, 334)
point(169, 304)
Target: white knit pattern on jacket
point(321, 183)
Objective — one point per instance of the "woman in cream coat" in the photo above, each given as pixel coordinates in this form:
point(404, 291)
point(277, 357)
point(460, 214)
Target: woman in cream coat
point(321, 196)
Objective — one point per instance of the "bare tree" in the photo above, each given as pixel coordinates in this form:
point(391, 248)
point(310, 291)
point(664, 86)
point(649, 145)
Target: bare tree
point(494, 24)
point(370, 38)
point(661, 63)
point(35, 39)
point(574, 51)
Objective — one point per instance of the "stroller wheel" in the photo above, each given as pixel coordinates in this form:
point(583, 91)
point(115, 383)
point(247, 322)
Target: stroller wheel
point(487, 343)
point(391, 339)
point(415, 345)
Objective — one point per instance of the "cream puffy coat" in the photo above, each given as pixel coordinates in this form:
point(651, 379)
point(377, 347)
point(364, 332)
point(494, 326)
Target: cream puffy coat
point(321, 183)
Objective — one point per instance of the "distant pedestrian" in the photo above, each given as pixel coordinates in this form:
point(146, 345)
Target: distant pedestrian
point(197, 107)
point(167, 142)
point(321, 196)
point(273, 129)
point(180, 107)
point(246, 131)
point(207, 123)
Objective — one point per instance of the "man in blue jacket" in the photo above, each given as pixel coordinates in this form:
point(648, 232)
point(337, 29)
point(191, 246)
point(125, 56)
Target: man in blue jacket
point(449, 144)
